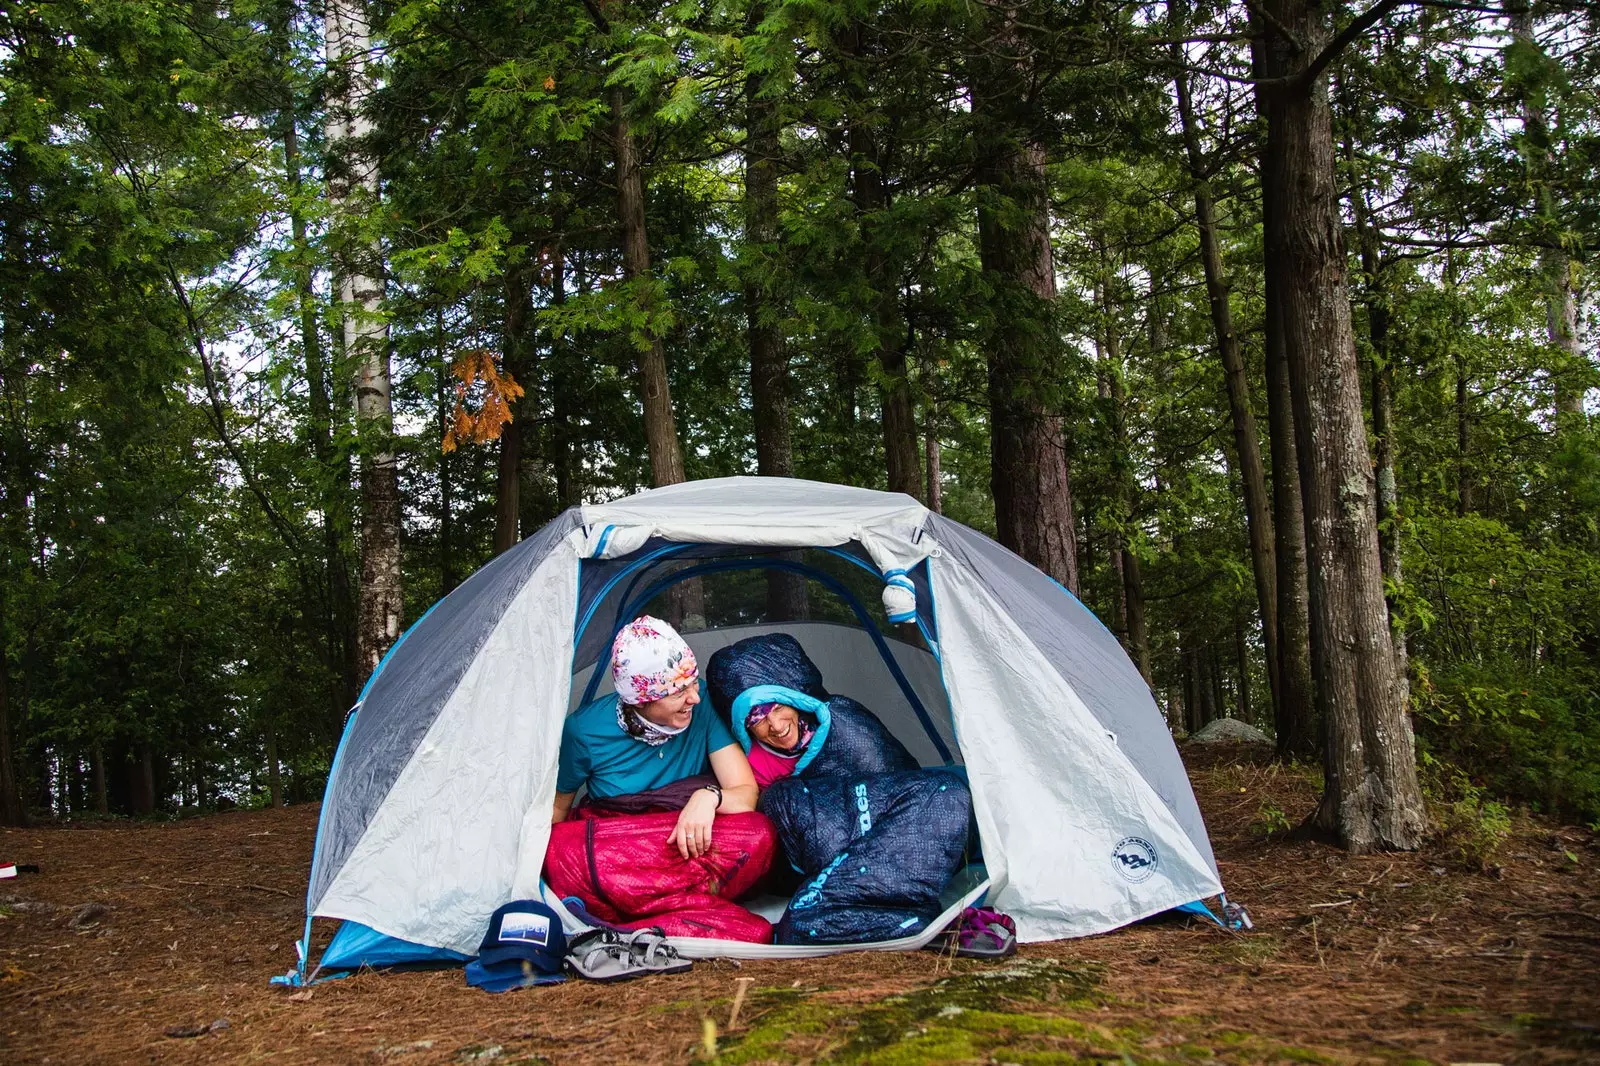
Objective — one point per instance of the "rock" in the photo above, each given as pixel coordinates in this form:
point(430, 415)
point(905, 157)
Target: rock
point(1229, 731)
point(87, 916)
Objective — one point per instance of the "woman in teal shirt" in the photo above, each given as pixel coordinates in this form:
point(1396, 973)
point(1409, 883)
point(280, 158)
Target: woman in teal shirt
point(647, 735)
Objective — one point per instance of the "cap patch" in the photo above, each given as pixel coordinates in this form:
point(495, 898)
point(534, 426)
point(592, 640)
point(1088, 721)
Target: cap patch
point(525, 927)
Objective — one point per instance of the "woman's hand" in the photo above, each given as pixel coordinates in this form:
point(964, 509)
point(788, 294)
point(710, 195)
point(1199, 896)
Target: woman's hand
point(692, 834)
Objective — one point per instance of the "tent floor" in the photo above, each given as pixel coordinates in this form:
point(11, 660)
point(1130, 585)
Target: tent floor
point(964, 889)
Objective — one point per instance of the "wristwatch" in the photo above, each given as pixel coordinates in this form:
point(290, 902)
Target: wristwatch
point(718, 790)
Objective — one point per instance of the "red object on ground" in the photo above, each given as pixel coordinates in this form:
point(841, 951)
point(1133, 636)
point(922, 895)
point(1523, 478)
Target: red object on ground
point(627, 874)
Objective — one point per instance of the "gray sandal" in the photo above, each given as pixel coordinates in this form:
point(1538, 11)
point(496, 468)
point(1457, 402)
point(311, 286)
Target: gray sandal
point(651, 950)
point(602, 955)
point(607, 955)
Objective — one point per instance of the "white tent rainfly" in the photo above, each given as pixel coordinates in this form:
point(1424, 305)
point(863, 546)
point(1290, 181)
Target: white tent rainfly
point(438, 805)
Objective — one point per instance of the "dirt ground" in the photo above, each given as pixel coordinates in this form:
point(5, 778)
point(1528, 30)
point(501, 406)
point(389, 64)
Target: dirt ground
point(134, 937)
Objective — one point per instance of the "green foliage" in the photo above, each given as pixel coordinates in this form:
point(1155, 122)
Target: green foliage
point(1271, 818)
point(1464, 816)
point(1505, 689)
point(175, 603)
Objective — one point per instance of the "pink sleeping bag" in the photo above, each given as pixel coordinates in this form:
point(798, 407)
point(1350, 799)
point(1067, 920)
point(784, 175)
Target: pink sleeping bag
point(626, 873)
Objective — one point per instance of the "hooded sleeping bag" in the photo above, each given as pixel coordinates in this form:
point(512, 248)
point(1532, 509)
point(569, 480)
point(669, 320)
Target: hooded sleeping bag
point(774, 668)
point(875, 838)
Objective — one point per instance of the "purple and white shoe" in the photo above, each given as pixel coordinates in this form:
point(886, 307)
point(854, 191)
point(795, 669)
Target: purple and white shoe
point(980, 933)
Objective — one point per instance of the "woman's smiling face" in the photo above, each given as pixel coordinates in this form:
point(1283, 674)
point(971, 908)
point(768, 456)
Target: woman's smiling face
point(674, 711)
point(780, 729)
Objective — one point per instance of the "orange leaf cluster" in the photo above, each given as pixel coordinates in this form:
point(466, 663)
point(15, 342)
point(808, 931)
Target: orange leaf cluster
point(477, 366)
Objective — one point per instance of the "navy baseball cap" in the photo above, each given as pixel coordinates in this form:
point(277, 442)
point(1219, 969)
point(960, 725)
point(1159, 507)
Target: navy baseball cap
point(523, 946)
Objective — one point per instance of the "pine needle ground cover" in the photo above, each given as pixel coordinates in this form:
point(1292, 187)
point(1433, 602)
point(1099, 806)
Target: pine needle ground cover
point(153, 943)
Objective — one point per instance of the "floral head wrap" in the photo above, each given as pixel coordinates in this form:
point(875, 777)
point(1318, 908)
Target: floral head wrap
point(649, 662)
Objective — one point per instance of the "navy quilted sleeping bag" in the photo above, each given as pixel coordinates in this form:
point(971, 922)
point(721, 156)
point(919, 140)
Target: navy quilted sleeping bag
point(875, 838)
point(875, 851)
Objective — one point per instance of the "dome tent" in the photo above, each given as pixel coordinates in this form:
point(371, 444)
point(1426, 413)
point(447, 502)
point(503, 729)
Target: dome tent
point(437, 808)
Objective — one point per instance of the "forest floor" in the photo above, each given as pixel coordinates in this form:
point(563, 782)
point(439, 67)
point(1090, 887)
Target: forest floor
point(135, 937)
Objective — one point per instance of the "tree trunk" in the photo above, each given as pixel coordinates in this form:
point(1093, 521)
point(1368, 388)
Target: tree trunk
point(353, 190)
point(1138, 628)
point(1375, 297)
point(448, 578)
point(1561, 329)
point(508, 475)
point(869, 192)
point(274, 770)
point(1108, 366)
point(12, 810)
point(339, 637)
point(1211, 701)
point(1294, 714)
point(1241, 654)
point(769, 362)
point(97, 778)
point(562, 387)
point(1466, 486)
point(1119, 594)
point(1191, 690)
point(660, 427)
point(1372, 798)
point(1029, 475)
point(1246, 438)
point(932, 451)
point(1561, 308)
point(143, 800)
point(1128, 589)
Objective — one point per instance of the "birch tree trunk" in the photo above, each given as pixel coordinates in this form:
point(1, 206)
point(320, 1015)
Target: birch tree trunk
point(338, 618)
point(1372, 799)
point(358, 267)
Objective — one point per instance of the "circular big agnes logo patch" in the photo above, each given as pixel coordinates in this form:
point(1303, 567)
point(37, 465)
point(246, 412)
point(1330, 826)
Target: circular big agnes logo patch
point(1135, 859)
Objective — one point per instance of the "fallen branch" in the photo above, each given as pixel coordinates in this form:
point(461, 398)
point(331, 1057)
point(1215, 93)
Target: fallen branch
point(1586, 937)
point(738, 1001)
point(1554, 914)
point(224, 884)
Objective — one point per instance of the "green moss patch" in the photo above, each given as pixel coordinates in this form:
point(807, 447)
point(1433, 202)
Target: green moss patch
point(1032, 1012)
